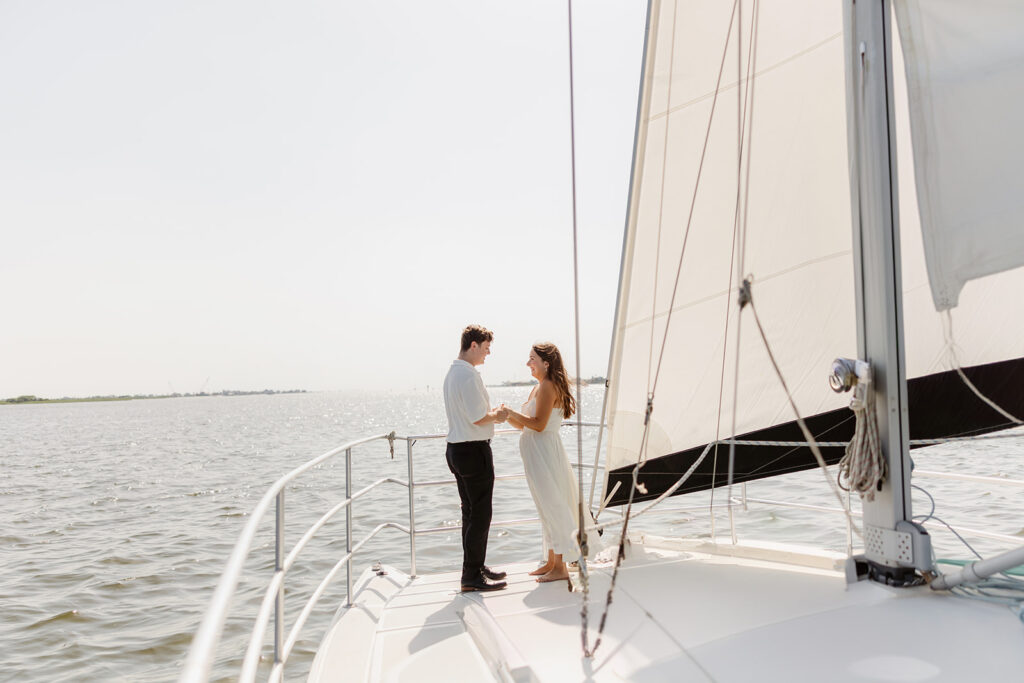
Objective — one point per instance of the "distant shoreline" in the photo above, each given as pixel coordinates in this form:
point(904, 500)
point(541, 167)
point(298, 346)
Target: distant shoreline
point(22, 400)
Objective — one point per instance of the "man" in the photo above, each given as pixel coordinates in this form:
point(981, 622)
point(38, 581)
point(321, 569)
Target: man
point(470, 429)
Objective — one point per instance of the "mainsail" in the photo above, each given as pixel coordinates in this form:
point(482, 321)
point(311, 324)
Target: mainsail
point(964, 70)
point(741, 167)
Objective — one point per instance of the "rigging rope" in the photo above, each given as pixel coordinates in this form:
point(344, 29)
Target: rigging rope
point(747, 102)
point(799, 419)
point(742, 255)
point(620, 555)
point(1007, 590)
point(947, 330)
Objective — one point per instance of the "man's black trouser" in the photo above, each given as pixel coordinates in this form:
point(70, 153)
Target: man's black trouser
point(473, 466)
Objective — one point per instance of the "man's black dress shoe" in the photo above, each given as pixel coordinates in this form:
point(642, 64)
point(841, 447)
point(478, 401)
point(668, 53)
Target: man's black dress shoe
point(492, 575)
point(482, 584)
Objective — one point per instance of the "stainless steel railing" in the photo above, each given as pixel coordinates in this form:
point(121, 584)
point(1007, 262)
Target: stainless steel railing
point(203, 650)
point(201, 654)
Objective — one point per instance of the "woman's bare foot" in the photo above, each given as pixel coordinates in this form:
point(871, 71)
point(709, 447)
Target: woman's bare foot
point(557, 574)
point(543, 569)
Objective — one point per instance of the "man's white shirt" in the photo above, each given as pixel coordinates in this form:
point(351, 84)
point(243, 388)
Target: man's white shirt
point(465, 402)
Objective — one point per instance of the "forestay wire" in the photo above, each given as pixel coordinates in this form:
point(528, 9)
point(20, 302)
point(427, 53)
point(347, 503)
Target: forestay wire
point(581, 531)
point(581, 534)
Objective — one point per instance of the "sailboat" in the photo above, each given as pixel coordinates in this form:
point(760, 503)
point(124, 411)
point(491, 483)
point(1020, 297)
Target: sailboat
point(765, 130)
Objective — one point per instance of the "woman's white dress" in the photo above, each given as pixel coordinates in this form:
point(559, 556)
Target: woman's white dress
point(553, 484)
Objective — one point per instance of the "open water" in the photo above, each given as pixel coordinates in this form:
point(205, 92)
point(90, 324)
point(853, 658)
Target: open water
point(119, 517)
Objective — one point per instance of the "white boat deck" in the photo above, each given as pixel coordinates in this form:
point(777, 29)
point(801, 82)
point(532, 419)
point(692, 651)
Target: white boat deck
point(677, 616)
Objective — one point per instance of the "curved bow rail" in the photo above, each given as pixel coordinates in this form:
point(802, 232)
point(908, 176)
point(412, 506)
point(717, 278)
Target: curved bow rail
point(204, 644)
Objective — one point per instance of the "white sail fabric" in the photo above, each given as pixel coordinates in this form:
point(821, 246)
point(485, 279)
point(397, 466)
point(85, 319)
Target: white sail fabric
point(986, 322)
point(794, 191)
point(965, 81)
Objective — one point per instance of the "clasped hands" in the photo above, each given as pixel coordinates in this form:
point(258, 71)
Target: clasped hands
point(501, 413)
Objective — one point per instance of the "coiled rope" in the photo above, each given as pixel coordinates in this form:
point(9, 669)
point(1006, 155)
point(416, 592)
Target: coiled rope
point(863, 466)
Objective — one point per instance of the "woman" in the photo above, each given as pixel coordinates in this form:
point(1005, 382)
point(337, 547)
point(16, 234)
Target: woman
point(548, 473)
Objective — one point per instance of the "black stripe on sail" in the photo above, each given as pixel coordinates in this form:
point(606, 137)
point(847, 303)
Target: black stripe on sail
point(941, 406)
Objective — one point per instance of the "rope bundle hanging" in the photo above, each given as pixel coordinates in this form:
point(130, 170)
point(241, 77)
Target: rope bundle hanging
point(863, 467)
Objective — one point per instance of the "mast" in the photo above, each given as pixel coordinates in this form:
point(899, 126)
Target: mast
point(894, 545)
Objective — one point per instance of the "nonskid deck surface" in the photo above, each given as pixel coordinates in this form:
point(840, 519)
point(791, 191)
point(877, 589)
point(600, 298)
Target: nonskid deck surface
point(676, 616)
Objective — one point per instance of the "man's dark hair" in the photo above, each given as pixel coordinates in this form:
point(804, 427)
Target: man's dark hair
point(475, 333)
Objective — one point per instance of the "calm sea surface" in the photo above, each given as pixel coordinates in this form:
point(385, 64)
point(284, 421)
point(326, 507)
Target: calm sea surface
point(118, 517)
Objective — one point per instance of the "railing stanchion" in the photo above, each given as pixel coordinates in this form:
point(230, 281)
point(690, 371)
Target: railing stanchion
point(412, 513)
point(348, 527)
point(204, 645)
point(849, 527)
point(279, 567)
point(732, 524)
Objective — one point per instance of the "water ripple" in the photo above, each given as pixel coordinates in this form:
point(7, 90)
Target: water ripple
point(70, 615)
point(119, 518)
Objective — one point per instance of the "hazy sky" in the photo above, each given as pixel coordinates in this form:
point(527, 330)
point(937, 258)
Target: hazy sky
point(320, 195)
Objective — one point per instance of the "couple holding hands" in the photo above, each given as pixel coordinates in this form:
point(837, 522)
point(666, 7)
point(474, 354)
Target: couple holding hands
point(551, 480)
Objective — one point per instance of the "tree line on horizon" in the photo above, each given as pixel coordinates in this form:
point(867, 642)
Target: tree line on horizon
point(28, 398)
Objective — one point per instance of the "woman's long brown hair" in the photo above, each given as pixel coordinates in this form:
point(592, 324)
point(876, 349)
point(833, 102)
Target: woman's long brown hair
point(550, 354)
